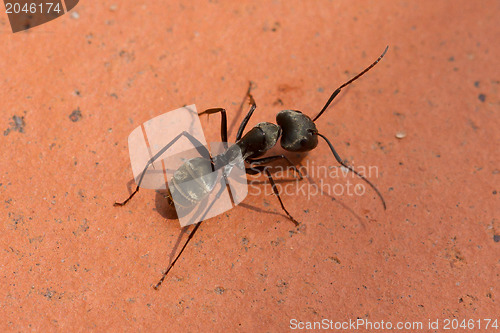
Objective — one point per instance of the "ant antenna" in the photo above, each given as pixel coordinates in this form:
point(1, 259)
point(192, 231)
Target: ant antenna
point(336, 92)
point(337, 157)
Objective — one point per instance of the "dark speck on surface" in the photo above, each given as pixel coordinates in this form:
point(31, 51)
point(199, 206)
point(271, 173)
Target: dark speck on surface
point(496, 238)
point(75, 116)
point(278, 102)
point(482, 97)
point(219, 290)
point(17, 124)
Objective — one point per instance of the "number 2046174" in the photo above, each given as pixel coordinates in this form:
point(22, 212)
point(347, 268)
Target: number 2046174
point(471, 324)
point(33, 8)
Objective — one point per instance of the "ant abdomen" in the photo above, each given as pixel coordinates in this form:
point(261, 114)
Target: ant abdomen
point(298, 131)
point(193, 181)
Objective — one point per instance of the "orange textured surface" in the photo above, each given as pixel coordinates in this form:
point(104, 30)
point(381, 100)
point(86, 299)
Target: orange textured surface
point(71, 261)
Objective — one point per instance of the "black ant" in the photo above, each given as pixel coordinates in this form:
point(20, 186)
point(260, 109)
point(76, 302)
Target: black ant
point(297, 131)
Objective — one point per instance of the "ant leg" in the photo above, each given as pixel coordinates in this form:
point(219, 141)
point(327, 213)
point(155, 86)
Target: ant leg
point(176, 258)
point(337, 157)
point(247, 117)
point(199, 146)
point(265, 160)
point(336, 92)
point(223, 124)
point(275, 189)
point(189, 238)
point(128, 199)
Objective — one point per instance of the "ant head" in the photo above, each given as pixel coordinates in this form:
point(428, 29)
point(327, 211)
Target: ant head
point(298, 131)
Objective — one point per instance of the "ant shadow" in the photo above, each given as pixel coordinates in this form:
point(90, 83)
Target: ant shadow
point(164, 206)
point(296, 161)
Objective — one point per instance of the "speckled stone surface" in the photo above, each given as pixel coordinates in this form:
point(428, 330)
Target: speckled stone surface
point(426, 117)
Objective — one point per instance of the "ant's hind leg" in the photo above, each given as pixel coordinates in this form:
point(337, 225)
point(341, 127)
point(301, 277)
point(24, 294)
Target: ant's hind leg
point(190, 237)
point(178, 256)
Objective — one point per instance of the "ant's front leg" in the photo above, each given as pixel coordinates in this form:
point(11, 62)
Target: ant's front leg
point(223, 123)
point(244, 123)
point(265, 160)
point(255, 170)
